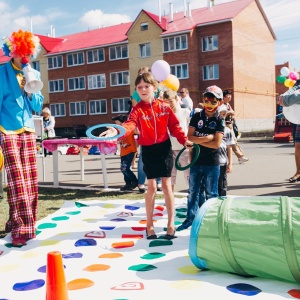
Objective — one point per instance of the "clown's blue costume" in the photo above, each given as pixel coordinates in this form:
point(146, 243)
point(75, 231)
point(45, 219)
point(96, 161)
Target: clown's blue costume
point(18, 142)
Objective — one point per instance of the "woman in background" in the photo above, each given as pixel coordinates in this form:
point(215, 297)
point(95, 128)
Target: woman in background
point(49, 124)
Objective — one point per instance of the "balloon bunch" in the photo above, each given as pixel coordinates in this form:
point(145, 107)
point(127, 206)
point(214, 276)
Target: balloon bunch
point(286, 77)
point(161, 70)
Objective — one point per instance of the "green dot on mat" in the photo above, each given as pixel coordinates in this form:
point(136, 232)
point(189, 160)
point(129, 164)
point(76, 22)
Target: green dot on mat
point(142, 268)
point(47, 225)
point(180, 216)
point(73, 213)
point(182, 209)
point(38, 232)
point(153, 255)
point(62, 218)
point(160, 242)
point(78, 204)
point(177, 223)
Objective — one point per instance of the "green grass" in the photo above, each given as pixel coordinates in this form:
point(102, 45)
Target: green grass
point(51, 199)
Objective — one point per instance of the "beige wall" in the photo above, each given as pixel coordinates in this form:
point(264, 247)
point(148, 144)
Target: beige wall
point(254, 72)
point(137, 37)
point(44, 74)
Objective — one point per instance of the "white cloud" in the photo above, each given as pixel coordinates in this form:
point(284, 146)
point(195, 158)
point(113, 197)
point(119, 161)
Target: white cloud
point(97, 18)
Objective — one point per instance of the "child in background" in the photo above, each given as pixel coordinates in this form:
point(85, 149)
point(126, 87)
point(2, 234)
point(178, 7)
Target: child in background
point(155, 119)
point(225, 154)
point(183, 116)
point(127, 151)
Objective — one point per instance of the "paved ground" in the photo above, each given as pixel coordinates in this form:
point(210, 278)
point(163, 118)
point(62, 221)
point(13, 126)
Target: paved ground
point(266, 173)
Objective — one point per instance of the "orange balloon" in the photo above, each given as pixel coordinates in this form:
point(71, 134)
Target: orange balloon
point(172, 82)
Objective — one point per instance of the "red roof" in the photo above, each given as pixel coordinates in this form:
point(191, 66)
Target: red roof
point(206, 15)
point(92, 38)
point(49, 43)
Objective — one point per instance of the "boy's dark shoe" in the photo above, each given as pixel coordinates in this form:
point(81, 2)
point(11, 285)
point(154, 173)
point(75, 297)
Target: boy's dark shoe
point(185, 225)
point(133, 185)
point(126, 187)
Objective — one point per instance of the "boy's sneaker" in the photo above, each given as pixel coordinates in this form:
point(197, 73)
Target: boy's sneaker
point(133, 185)
point(243, 159)
point(126, 187)
point(185, 225)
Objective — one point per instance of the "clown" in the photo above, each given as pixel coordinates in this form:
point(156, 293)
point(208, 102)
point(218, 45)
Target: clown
point(17, 136)
point(205, 129)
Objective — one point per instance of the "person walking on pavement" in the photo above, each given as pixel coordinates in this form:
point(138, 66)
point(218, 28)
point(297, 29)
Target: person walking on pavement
point(291, 97)
point(186, 99)
point(230, 123)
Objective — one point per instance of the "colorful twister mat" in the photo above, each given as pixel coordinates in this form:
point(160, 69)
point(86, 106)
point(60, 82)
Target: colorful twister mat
point(105, 255)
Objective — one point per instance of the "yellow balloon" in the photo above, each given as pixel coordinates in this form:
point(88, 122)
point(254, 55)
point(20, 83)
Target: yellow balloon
point(287, 82)
point(172, 82)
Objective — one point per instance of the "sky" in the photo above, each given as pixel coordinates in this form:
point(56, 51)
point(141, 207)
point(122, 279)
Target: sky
point(73, 16)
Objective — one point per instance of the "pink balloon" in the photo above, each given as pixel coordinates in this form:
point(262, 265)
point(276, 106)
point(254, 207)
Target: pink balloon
point(293, 75)
point(160, 70)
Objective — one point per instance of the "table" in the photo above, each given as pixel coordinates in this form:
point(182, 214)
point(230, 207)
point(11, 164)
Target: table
point(105, 147)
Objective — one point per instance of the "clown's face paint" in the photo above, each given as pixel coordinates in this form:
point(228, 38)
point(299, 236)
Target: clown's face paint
point(210, 104)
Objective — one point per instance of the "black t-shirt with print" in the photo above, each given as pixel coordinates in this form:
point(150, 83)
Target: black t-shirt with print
point(205, 126)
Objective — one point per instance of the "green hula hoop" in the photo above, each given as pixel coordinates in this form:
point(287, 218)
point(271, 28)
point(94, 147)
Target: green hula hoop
point(177, 165)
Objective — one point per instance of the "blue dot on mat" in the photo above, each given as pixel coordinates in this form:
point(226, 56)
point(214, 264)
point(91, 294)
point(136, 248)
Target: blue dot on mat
point(72, 255)
point(130, 207)
point(85, 242)
point(30, 285)
point(243, 289)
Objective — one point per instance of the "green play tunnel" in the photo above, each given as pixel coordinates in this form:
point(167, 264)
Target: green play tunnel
point(249, 236)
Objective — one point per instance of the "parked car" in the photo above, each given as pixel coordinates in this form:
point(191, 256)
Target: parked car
point(73, 150)
point(62, 149)
point(94, 150)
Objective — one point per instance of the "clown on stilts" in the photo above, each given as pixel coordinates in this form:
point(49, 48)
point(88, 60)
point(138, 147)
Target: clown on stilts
point(17, 135)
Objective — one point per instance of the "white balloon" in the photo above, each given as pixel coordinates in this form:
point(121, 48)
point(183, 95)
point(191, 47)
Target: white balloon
point(285, 71)
point(292, 113)
point(160, 70)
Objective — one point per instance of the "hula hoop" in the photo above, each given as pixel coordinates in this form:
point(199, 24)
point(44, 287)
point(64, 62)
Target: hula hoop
point(178, 167)
point(104, 138)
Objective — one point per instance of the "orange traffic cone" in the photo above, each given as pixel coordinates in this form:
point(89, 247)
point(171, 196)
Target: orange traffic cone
point(56, 286)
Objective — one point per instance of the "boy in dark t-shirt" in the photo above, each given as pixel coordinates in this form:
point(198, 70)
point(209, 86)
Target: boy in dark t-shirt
point(206, 130)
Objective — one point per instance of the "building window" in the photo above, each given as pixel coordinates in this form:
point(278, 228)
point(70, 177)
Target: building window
point(98, 107)
point(77, 108)
point(175, 43)
point(75, 59)
point(119, 78)
point(144, 26)
point(36, 65)
point(120, 105)
point(118, 52)
point(210, 43)
point(56, 86)
point(77, 83)
point(210, 72)
point(94, 56)
point(145, 50)
point(58, 110)
point(96, 81)
point(55, 62)
point(180, 71)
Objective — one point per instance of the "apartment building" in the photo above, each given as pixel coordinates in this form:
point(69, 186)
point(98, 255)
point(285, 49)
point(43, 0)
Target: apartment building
point(89, 76)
